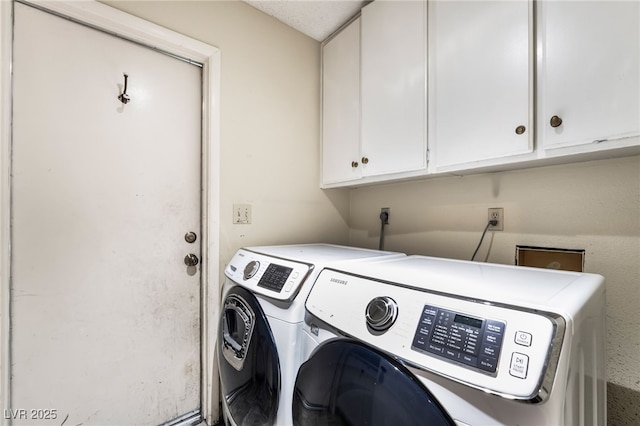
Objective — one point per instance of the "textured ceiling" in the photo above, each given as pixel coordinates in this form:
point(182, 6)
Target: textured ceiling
point(317, 19)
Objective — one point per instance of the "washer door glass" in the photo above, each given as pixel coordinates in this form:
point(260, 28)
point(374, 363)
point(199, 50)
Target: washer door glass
point(348, 383)
point(248, 360)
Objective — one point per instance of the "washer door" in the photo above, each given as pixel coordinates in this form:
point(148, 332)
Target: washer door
point(248, 360)
point(348, 383)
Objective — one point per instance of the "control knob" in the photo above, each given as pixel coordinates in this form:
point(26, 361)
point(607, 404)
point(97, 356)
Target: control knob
point(381, 313)
point(251, 269)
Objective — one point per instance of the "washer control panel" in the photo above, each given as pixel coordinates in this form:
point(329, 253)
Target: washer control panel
point(469, 340)
point(279, 279)
point(501, 349)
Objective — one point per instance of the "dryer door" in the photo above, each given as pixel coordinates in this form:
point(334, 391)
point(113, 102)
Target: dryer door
point(248, 360)
point(345, 382)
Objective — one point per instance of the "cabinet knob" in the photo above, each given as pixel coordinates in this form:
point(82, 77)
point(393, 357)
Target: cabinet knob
point(555, 121)
point(520, 130)
point(354, 164)
point(365, 160)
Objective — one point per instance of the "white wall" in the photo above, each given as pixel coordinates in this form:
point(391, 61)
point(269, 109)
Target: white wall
point(270, 122)
point(593, 206)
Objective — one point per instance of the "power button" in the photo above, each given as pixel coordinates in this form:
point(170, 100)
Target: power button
point(523, 338)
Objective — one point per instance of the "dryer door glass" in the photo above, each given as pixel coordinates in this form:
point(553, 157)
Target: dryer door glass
point(348, 383)
point(248, 360)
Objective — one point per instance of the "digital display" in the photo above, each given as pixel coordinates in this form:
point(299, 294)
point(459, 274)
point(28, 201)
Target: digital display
point(472, 322)
point(474, 342)
point(275, 277)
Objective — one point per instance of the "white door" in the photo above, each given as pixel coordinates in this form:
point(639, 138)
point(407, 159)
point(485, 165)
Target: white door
point(393, 72)
point(105, 315)
point(589, 75)
point(341, 106)
point(481, 70)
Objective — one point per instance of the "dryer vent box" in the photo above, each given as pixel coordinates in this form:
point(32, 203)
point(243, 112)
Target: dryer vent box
point(550, 258)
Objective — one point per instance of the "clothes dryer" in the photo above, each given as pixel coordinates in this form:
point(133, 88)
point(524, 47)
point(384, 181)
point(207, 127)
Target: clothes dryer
point(262, 313)
point(492, 344)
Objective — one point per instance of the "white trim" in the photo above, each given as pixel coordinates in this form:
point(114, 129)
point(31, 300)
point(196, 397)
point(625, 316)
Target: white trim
point(130, 27)
point(211, 235)
point(6, 37)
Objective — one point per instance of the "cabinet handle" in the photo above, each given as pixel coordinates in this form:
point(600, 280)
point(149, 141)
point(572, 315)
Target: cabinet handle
point(555, 121)
point(520, 130)
point(354, 164)
point(365, 160)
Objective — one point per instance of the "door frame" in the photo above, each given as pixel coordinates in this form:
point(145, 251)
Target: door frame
point(121, 24)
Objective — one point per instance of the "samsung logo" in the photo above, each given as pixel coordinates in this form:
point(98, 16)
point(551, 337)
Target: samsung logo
point(337, 281)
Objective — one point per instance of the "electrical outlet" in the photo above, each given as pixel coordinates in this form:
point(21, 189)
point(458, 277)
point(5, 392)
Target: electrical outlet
point(386, 210)
point(497, 213)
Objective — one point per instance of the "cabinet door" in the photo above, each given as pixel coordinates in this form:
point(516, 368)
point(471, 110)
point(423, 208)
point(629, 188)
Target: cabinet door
point(480, 81)
point(393, 86)
point(341, 106)
point(589, 75)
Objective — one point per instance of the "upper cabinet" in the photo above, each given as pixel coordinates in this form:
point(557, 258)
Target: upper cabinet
point(374, 96)
point(341, 106)
point(510, 84)
point(480, 82)
point(588, 75)
point(394, 82)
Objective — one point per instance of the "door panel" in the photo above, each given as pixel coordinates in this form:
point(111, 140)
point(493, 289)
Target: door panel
point(481, 73)
point(248, 358)
point(589, 71)
point(105, 314)
point(393, 104)
point(341, 106)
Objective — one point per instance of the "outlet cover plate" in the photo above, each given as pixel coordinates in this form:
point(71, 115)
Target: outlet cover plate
point(242, 214)
point(497, 213)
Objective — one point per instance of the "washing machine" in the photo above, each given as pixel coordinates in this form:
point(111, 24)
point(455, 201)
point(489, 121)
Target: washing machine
point(486, 343)
point(260, 331)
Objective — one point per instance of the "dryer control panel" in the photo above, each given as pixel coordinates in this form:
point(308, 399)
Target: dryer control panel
point(280, 279)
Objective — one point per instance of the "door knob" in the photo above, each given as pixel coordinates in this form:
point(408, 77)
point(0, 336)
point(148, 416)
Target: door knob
point(191, 259)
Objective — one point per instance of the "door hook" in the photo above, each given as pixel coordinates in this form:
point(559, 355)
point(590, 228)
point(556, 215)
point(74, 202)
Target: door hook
point(124, 98)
